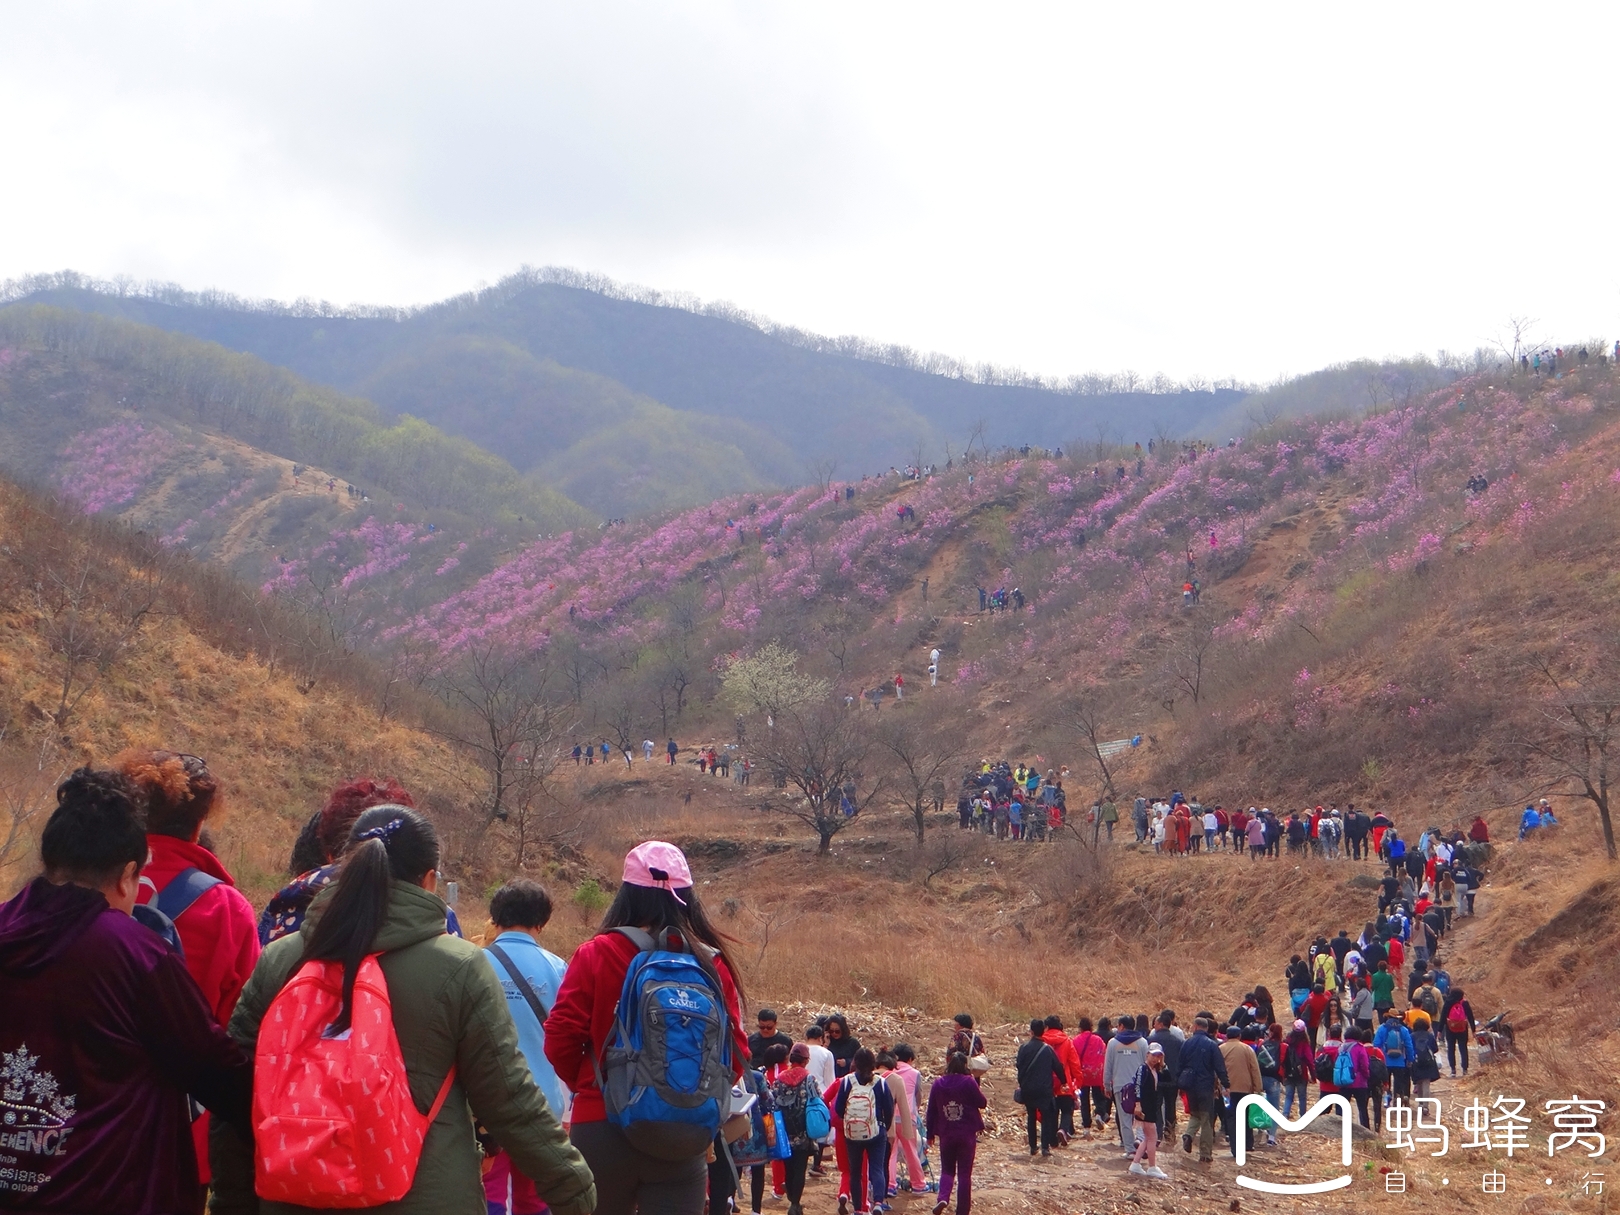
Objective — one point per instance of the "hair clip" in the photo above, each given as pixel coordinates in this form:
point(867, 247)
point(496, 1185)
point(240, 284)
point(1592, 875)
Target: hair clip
point(383, 833)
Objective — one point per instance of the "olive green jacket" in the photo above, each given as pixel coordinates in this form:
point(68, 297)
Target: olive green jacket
point(449, 1008)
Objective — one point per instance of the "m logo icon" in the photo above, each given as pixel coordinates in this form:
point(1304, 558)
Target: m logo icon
point(1333, 1101)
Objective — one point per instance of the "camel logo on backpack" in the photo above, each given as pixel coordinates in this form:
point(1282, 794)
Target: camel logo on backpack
point(665, 1074)
point(334, 1122)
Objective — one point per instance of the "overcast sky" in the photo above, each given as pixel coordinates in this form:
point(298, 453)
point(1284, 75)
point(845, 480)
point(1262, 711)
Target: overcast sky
point(1225, 190)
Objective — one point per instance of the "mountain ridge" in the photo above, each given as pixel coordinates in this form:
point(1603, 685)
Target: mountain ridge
point(767, 409)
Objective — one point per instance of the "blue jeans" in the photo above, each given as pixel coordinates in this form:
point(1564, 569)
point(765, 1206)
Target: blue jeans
point(1292, 1089)
point(875, 1153)
point(1273, 1090)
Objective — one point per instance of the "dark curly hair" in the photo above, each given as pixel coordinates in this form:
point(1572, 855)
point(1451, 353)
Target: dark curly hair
point(97, 828)
point(180, 790)
point(520, 904)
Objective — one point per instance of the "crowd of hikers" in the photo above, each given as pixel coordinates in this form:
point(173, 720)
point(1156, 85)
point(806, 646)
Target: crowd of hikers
point(165, 1046)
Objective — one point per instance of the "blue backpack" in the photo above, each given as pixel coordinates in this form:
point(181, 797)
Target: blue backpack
point(1344, 1069)
point(665, 1074)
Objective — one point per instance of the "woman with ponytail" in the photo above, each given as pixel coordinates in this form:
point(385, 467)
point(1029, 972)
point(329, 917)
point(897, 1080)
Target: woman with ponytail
point(656, 894)
point(319, 845)
point(449, 1015)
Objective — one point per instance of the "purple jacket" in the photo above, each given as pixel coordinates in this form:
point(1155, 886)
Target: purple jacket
point(954, 1103)
point(104, 1034)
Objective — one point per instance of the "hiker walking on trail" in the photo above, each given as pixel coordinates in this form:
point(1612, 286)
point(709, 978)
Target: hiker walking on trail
point(530, 976)
point(792, 1087)
point(455, 1039)
point(1039, 1075)
point(1425, 1055)
point(1203, 1078)
point(1145, 1100)
point(657, 903)
point(671, 750)
point(185, 881)
point(1298, 1064)
point(1069, 1089)
point(1168, 1039)
point(863, 1108)
point(1243, 1072)
point(1124, 1058)
point(1458, 1019)
point(1395, 1040)
point(1091, 1049)
point(103, 1023)
point(955, 1120)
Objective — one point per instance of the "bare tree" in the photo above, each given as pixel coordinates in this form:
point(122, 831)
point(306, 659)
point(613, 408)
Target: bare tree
point(1187, 664)
point(25, 791)
point(976, 438)
point(1580, 727)
point(90, 616)
point(925, 751)
point(944, 852)
point(823, 470)
point(820, 754)
point(504, 718)
point(1083, 712)
point(621, 712)
point(1515, 342)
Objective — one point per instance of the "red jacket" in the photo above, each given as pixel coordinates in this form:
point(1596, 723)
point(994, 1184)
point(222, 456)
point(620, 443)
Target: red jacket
point(583, 1018)
point(1315, 1005)
point(1069, 1057)
point(220, 935)
point(219, 931)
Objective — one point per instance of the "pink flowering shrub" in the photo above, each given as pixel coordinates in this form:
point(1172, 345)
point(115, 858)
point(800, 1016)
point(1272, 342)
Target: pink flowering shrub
point(107, 468)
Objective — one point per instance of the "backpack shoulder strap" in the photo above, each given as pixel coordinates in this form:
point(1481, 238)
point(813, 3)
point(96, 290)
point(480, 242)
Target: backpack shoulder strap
point(638, 937)
point(184, 889)
point(525, 988)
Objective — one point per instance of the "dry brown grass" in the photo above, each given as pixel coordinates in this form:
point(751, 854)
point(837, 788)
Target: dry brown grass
point(277, 744)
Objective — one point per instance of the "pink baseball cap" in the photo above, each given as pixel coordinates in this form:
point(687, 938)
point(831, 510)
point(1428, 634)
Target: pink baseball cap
point(659, 865)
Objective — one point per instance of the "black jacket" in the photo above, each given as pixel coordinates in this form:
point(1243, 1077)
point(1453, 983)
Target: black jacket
point(1171, 1045)
point(1037, 1067)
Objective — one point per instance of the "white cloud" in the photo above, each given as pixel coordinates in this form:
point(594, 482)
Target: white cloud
point(1164, 187)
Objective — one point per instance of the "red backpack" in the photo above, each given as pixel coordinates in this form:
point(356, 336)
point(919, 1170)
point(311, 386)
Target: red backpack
point(334, 1123)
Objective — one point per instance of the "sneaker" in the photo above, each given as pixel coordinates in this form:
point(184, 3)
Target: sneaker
point(843, 1204)
point(1063, 1138)
point(1157, 1174)
point(795, 1209)
point(1136, 1169)
point(939, 1208)
point(1186, 1146)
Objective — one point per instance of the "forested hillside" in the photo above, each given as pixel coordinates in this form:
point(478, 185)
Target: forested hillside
point(628, 406)
point(1365, 622)
point(225, 457)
